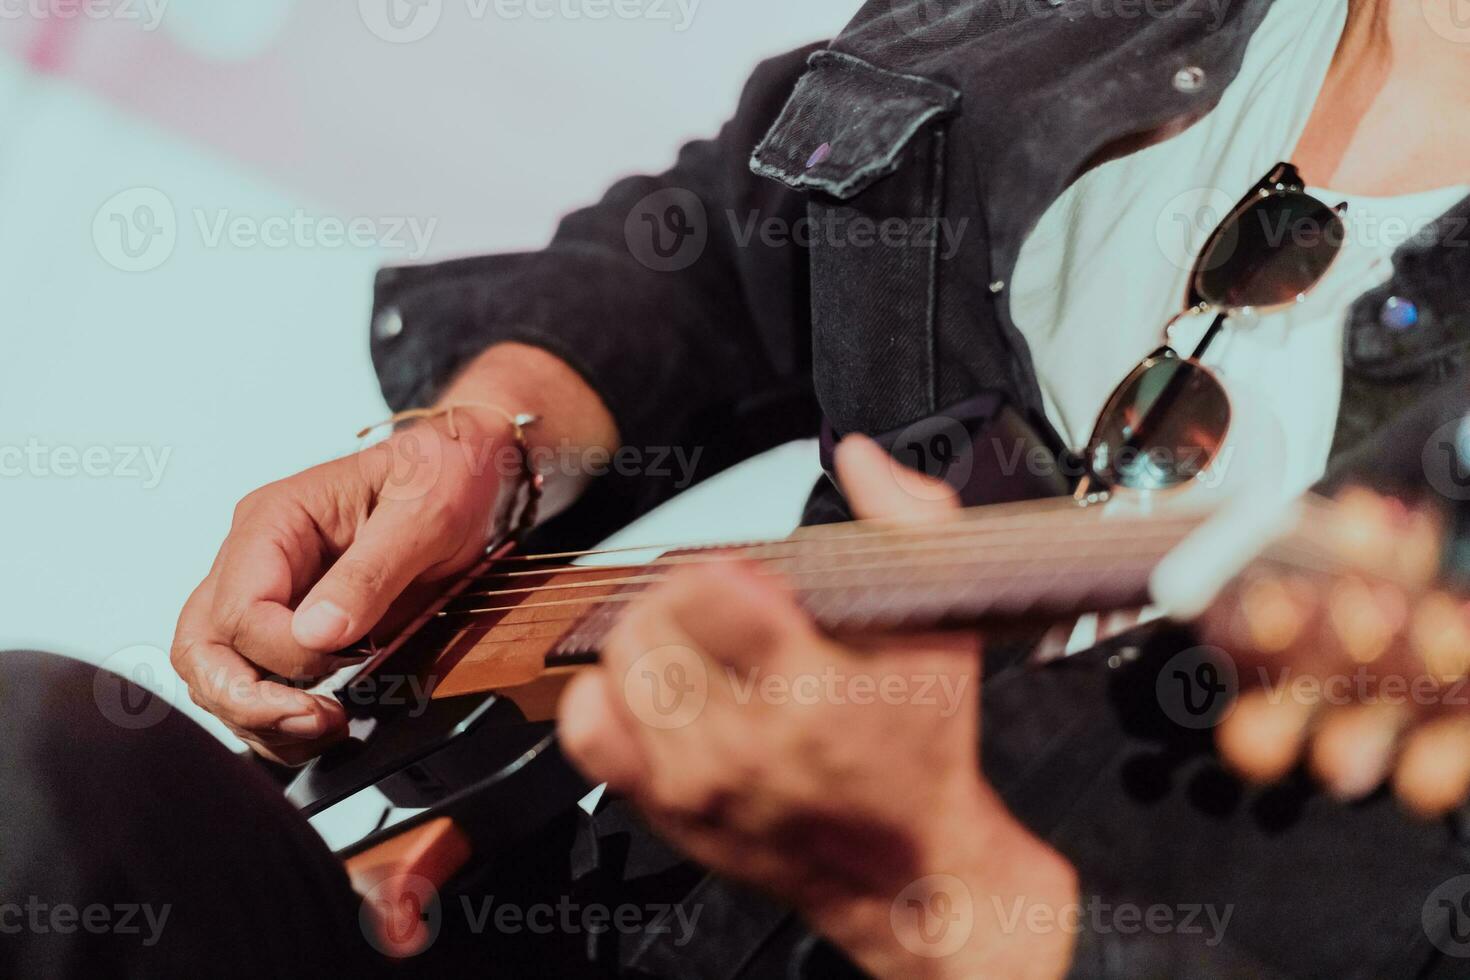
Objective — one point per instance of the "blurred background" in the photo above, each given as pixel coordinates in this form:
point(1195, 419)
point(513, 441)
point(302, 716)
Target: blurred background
point(195, 196)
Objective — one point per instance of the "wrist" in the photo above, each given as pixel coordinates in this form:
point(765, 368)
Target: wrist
point(985, 897)
point(572, 421)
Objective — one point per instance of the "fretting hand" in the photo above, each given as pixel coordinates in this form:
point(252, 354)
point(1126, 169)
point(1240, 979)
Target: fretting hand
point(770, 754)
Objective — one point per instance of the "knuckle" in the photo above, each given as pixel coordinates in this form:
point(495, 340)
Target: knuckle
point(361, 575)
point(228, 617)
point(200, 699)
point(439, 517)
point(249, 505)
point(180, 656)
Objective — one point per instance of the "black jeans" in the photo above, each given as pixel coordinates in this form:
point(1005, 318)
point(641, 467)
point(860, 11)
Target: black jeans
point(151, 851)
point(137, 845)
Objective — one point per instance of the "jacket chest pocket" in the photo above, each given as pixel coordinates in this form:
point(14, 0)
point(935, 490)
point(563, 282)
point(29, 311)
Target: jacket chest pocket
point(868, 146)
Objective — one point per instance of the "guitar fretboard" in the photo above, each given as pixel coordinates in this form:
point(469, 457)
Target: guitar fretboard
point(969, 573)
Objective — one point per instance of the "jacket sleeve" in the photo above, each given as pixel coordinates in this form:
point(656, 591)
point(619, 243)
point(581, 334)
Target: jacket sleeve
point(665, 295)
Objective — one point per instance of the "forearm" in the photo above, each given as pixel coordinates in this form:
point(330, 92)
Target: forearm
point(572, 423)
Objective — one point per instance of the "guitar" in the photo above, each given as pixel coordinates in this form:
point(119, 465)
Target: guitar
point(494, 653)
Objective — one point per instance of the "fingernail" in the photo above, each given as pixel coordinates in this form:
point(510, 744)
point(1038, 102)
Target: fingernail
point(1364, 773)
point(320, 624)
point(304, 726)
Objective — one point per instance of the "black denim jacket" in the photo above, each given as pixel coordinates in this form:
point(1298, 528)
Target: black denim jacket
point(719, 296)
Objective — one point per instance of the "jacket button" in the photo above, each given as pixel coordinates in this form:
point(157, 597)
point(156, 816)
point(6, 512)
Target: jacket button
point(1189, 80)
point(998, 286)
point(1399, 314)
point(388, 323)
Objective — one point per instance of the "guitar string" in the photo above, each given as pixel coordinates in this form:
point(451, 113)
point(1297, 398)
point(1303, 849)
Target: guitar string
point(814, 531)
point(1128, 531)
point(970, 517)
point(975, 564)
point(1302, 560)
point(1127, 540)
point(1297, 555)
point(798, 548)
point(637, 573)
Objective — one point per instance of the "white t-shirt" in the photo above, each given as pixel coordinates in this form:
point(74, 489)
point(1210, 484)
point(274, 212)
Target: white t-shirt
point(1108, 265)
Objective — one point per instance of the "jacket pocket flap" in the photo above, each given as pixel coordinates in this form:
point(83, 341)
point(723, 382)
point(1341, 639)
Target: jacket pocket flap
point(847, 123)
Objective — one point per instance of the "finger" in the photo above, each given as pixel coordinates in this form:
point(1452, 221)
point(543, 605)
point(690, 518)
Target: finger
point(1263, 739)
point(596, 736)
point(1433, 773)
point(1352, 749)
point(251, 598)
point(228, 686)
point(878, 487)
point(733, 613)
point(396, 544)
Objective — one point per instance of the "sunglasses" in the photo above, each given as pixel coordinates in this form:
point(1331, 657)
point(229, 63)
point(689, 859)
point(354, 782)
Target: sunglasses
point(1166, 422)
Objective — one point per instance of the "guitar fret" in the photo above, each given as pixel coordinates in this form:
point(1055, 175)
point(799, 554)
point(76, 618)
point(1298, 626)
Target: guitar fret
point(852, 584)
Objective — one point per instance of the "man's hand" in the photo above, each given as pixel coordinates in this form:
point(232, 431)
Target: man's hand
point(1361, 685)
point(844, 778)
point(315, 562)
point(312, 563)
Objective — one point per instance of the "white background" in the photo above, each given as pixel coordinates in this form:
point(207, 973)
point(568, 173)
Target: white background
point(246, 364)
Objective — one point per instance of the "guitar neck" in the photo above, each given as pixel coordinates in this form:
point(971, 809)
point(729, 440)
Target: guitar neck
point(990, 567)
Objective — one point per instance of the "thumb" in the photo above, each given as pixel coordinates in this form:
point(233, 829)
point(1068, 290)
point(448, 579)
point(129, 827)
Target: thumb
point(390, 550)
point(879, 487)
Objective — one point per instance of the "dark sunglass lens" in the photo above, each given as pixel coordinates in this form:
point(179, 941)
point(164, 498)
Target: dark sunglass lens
point(1162, 427)
point(1270, 253)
